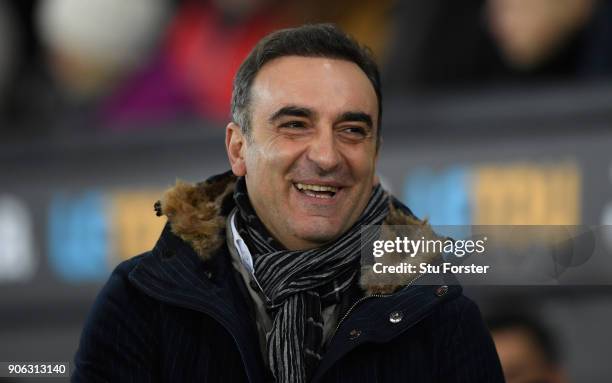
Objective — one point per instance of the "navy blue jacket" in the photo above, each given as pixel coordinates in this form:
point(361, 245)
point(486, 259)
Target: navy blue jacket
point(167, 316)
point(170, 315)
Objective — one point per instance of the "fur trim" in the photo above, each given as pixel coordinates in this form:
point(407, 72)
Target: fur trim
point(195, 215)
point(193, 212)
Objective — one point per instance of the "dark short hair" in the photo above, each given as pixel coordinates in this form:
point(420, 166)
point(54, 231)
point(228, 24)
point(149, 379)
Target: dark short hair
point(311, 40)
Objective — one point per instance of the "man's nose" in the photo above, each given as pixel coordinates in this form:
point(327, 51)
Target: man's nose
point(323, 150)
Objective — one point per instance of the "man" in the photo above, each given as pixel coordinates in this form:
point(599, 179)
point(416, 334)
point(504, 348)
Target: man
point(256, 276)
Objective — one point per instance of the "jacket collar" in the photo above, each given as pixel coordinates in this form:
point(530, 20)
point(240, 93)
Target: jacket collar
point(197, 214)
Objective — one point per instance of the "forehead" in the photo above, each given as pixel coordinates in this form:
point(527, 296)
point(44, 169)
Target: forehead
point(328, 86)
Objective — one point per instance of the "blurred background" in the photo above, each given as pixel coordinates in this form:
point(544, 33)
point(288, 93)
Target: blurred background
point(495, 112)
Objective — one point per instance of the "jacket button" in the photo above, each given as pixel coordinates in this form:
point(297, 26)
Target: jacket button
point(396, 317)
point(441, 290)
point(354, 334)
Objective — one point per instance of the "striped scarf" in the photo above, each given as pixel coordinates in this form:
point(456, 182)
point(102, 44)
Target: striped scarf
point(298, 285)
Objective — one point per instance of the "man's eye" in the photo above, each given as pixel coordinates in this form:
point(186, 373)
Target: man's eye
point(293, 124)
point(355, 130)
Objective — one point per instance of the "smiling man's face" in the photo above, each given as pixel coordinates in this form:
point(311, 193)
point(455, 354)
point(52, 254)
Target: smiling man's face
point(310, 159)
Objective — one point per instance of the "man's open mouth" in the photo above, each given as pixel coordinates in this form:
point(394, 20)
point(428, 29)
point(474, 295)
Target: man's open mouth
point(317, 191)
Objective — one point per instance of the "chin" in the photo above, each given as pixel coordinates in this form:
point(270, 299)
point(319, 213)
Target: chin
point(316, 233)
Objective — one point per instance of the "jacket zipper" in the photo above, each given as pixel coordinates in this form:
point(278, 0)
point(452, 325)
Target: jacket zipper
point(350, 310)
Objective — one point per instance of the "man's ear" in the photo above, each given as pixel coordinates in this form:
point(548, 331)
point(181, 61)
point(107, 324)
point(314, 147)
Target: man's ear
point(235, 146)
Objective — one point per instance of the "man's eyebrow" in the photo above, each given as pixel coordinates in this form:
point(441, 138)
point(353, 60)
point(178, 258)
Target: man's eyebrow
point(291, 110)
point(356, 116)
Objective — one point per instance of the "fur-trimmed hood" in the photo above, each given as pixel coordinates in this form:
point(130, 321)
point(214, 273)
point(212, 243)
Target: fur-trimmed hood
point(197, 214)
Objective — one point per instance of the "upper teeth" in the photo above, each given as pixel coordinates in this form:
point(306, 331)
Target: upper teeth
point(332, 189)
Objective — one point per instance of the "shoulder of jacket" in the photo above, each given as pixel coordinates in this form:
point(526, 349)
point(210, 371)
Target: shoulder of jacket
point(118, 286)
point(457, 314)
point(124, 268)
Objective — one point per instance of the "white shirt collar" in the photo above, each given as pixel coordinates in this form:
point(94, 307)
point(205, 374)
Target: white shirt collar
point(243, 250)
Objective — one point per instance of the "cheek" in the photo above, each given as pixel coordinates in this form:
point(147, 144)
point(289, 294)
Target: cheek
point(277, 155)
point(269, 165)
point(362, 162)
